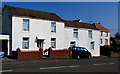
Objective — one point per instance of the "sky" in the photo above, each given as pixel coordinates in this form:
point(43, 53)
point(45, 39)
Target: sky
point(104, 12)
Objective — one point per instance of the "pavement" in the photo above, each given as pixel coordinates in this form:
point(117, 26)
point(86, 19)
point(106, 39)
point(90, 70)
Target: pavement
point(9, 60)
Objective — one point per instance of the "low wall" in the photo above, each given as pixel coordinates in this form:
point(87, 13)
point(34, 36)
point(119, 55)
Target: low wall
point(63, 53)
point(27, 54)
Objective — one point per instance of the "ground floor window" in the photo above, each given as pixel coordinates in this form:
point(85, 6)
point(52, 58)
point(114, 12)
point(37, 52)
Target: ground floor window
point(92, 45)
point(53, 42)
point(25, 43)
point(106, 41)
point(72, 43)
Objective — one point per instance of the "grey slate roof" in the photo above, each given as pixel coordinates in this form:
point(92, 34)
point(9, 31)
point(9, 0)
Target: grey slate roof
point(16, 11)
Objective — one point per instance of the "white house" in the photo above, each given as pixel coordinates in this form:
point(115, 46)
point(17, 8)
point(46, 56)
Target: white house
point(32, 29)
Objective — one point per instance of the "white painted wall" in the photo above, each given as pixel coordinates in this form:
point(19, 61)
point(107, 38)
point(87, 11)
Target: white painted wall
point(38, 27)
point(83, 39)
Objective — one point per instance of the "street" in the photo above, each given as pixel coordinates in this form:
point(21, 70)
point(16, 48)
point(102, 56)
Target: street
point(65, 65)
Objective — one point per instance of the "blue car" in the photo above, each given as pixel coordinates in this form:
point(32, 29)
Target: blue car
point(80, 52)
point(1, 54)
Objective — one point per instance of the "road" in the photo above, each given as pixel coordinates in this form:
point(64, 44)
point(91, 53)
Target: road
point(69, 65)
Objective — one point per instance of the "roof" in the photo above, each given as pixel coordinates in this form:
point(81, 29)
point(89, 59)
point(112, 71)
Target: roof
point(16, 11)
point(100, 27)
point(79, 25)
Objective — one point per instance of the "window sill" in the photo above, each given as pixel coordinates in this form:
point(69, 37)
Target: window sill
point(25, 31)
point(75, 38)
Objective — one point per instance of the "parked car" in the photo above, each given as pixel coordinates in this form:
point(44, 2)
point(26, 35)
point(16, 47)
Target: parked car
point(80, 52)
point(1, 54)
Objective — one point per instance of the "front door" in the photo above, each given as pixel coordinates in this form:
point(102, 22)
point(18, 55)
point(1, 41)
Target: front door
point(40, 43)
point(5, 46)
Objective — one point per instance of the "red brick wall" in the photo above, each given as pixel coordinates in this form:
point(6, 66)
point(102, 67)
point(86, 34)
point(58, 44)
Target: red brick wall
point(28, 54)
point(64, 53)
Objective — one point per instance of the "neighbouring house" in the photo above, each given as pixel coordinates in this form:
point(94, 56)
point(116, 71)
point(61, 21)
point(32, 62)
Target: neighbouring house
point(104, 34)
point(4, 39)
point(30, 30)
point(84, 35)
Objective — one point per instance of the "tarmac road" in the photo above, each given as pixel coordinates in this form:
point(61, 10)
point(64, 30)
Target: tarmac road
point(63, 65)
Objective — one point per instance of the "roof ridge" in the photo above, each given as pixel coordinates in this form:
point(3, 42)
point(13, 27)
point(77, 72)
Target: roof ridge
point(76, 22)
point(29, 9)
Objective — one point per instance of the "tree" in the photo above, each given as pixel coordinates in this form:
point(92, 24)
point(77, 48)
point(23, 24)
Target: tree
point(117, 35)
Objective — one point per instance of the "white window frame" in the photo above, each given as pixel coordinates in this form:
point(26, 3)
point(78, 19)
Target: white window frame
point(53, 27)
point(90, 34)
point(92, 45)
point(106, 34)
point(75, 33)
point(106, 41)
point(53, 42)
point(24, 25)
point(26, 42)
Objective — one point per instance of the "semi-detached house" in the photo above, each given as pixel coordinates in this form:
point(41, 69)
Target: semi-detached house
point(31, 29)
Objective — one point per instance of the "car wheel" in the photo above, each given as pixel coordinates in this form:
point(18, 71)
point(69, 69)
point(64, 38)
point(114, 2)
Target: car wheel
point(89, 57)
point(78, 57)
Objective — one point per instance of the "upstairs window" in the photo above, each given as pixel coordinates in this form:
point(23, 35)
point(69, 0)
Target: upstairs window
point(106, 34)
point(25, 24)
point(53, 26)
point(101, 33)
point(90, 33)
point(53, 42)
point(25, 43)
point(75, 33)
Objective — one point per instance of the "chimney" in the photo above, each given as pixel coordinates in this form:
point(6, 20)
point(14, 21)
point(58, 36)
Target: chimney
point(99, 23)
point(77, 20)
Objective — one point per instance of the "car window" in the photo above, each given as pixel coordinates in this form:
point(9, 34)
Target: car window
point(73, 48)
point(78, 48)
point(85, 49)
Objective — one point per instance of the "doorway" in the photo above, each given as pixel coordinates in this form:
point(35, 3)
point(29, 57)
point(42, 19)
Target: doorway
point(5, 47)
point(40, 43)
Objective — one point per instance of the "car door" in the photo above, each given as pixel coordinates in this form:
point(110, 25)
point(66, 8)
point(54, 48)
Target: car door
point(85, 52)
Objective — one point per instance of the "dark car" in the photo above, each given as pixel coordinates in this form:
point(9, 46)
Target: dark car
point(80, 52)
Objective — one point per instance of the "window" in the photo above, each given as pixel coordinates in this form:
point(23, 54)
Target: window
point(106, 41)
point(25, 24)
point(53, 26)
point(92, 45)
point(53, 42)
point(90, 34)
point(75, 33)
point(72, 43)
point(25, 43)
point(106, 34)
point(101, 41)
point(101, 33)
